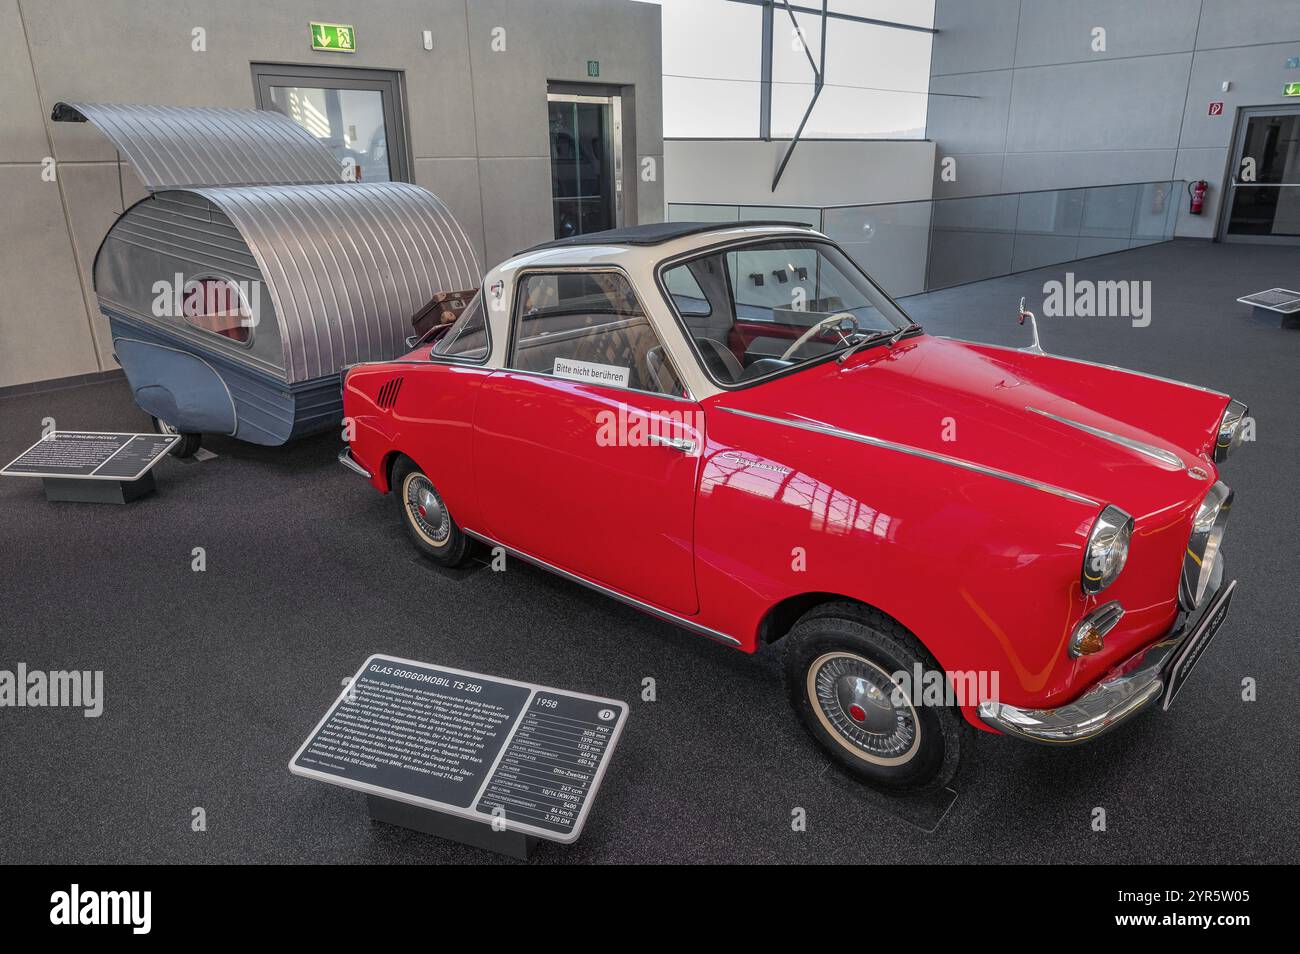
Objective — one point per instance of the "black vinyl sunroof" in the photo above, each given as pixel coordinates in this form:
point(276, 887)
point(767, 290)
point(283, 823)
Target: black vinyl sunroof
point(653, 234)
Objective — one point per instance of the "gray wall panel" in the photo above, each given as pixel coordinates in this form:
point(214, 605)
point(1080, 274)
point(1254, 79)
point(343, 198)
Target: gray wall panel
point(1237, 23)
point(974, 35)
point(44, 327)
point(971, 126)
point(1101, 105)
point(1060, 31)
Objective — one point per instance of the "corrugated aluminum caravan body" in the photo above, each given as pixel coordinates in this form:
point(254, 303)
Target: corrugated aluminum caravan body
point(326, 273)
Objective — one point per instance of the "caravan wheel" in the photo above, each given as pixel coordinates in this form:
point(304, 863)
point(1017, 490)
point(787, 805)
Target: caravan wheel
point(189, 443)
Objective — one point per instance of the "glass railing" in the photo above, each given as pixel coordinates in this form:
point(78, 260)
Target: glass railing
point(912, 247)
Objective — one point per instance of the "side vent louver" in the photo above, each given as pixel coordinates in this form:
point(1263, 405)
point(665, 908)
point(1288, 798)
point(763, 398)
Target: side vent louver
point(388, 392)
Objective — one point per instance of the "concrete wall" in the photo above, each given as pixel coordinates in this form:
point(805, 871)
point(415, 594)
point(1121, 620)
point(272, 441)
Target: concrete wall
point(1051, 113)
point(477, 123)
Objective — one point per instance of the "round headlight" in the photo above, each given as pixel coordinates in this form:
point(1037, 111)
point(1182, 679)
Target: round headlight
point(1231, 428)
point(1107, 549)
point(1201, 561)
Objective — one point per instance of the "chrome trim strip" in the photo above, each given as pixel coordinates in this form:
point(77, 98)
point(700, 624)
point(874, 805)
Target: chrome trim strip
point(1168, 458)
point(1095, 364)
point(347, 460)
point(819, 428)
point(605, 590)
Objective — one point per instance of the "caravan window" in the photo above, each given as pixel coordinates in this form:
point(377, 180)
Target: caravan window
point(217, 306)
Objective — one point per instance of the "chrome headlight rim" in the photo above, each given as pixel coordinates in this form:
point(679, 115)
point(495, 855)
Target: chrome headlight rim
point(1106, 551)
point(1231, 428)
point(1204, 547)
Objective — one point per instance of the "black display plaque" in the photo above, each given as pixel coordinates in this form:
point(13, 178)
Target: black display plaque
point(91, 455)
point(526, 757)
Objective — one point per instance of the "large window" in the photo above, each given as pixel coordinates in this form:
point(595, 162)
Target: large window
point(357, 114)
point(760, 309)
point(589, 327)
point(748, 69)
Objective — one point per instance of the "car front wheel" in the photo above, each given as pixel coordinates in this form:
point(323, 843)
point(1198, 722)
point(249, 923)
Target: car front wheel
point(842, 668)
point(428, 521)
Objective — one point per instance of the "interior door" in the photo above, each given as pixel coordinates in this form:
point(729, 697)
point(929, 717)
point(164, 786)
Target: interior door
point(586, 162)
point(598, 479)
point(1264, 184)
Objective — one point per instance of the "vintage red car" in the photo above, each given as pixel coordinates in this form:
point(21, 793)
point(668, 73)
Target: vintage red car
point(733, 428)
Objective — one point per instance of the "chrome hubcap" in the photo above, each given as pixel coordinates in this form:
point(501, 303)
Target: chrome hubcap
point(862, 707)
point(425, 510)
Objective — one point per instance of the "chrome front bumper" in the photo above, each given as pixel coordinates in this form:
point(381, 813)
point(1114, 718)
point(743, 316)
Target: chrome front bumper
point(1113, 701)
point(347, 460)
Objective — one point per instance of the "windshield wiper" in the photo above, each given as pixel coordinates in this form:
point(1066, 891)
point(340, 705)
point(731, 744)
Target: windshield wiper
point(890, 337)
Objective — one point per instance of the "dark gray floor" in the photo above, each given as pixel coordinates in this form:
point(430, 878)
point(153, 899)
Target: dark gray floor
point(214, 678)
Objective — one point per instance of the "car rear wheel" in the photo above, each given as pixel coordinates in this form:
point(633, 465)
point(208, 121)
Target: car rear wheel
point(841, 668)
point(189, 443)
point(428, 521)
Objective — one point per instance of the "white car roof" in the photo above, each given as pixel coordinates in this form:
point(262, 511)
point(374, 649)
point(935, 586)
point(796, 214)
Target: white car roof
point(655, 242)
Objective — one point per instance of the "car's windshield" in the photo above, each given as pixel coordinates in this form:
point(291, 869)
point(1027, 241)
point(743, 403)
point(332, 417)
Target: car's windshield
point(759, 309)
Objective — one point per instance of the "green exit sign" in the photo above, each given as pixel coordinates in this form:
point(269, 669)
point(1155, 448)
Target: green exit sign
point(334, 37)
point(593, 67)
point(1291, 89)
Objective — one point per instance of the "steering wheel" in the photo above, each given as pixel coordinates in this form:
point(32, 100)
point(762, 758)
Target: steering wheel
point(836, 321)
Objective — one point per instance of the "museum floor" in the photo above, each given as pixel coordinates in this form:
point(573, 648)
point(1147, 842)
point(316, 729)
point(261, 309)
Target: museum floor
point(213, 679)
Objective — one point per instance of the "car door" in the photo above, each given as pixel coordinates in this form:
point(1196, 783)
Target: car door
point(586, 447)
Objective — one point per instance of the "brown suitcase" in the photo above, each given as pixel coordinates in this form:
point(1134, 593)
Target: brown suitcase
point(443, 308)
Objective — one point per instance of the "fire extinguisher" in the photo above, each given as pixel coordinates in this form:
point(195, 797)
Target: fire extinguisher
point(1197, 191)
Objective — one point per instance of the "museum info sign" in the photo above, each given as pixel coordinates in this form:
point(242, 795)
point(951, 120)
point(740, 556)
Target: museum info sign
point(91, 455)
point(466, 744)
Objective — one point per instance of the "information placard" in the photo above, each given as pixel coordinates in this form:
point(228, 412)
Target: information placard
point(467, 744)
point(92, 455)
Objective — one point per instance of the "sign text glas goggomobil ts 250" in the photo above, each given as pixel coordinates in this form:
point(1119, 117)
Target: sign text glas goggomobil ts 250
point(334, 37)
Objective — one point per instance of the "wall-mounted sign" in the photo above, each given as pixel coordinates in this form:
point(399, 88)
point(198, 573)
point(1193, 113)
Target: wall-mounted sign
point(1293, 62)
point(1216, 109)
point(333, 37)
point(1291, 89)
point(593, 67)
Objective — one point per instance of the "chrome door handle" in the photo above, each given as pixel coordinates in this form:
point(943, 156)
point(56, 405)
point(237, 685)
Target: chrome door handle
point(683, 444)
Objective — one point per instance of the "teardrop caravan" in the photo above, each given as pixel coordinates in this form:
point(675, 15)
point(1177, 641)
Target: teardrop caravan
point(252, 274)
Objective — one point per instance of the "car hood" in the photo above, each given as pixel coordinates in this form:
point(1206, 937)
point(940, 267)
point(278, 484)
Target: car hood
point(1049, 420)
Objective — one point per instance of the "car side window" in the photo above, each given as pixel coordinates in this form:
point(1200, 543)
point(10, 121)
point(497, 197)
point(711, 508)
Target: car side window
point(589, 326)
point(468, 337)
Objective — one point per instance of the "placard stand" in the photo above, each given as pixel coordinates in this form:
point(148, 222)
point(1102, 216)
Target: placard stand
point(512, 844)
point(493, 763)
point(83, 490)
point(93, 466)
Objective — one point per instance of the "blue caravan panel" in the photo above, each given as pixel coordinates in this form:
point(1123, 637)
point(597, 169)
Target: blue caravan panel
point(176, 386)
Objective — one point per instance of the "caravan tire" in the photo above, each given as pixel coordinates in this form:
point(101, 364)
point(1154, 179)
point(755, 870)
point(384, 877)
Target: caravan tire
point(189, 443)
